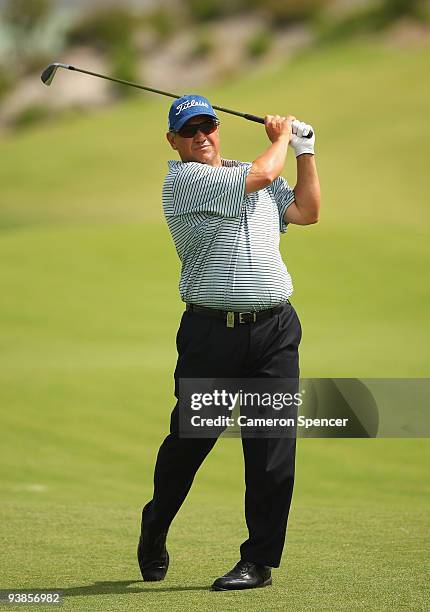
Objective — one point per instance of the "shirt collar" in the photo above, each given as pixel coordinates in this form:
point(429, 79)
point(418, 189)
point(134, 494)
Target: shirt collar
point(176, 163)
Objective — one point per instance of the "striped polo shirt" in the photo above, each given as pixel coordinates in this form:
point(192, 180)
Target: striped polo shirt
point(226, 239)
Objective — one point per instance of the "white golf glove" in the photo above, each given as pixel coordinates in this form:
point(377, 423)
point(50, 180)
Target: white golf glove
point(299, 143)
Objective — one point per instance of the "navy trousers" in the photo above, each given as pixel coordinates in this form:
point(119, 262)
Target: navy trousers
point(207, 348)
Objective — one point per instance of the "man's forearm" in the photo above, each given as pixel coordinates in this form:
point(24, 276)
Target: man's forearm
point(307, 190)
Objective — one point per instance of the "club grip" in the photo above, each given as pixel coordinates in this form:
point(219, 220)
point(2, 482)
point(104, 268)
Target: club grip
point(254, 118)
point(261, 120)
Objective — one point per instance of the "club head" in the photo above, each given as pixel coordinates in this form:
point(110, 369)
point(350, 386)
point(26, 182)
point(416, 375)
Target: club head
point(48, 74)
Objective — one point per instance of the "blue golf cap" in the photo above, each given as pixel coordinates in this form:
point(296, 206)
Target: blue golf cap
point(186, 107)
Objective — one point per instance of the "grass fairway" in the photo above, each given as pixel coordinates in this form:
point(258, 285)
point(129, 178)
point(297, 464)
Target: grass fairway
point(89, 311)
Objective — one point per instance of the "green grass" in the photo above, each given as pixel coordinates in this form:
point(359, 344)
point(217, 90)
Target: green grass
point(89, 311)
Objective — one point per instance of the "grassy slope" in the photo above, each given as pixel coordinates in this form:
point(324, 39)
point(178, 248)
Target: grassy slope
point(86, 376)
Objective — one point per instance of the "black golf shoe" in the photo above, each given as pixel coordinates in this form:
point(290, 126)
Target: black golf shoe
point(244, 575)
point(152, 554)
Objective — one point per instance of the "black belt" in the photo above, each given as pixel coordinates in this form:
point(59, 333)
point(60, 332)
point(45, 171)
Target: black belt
point(231, 317)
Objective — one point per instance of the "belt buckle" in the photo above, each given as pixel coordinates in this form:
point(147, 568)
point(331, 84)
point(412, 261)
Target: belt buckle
point(242, 314)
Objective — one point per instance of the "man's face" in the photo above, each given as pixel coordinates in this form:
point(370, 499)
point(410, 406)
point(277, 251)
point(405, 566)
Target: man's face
point(202, 148)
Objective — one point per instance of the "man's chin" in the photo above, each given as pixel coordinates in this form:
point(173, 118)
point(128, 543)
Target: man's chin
point(205, 156)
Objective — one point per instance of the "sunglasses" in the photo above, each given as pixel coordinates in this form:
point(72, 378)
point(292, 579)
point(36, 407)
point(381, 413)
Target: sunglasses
point(190, 130)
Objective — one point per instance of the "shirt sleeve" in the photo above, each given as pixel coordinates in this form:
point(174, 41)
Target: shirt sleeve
point(203, 188)
point(284, 196)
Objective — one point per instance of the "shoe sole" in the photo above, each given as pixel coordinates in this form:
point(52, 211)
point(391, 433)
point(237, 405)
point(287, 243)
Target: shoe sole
point(267, 582)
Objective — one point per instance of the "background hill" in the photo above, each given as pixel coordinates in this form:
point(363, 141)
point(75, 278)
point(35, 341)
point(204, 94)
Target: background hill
point(175, 45)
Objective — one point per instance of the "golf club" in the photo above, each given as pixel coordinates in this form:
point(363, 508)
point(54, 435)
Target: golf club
point(49, 73)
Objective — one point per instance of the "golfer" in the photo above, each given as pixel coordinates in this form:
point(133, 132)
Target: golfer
point(225, 217)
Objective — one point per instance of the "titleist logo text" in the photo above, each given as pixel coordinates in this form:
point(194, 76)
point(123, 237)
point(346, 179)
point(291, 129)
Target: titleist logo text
point(189, 103)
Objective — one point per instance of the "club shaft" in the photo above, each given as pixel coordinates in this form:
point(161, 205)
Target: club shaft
point(166, 93)
point(247, 116)
point(103, 76)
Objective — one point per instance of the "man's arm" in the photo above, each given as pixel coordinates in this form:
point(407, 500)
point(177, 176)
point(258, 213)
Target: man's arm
point(305, 209)
point(268, 166)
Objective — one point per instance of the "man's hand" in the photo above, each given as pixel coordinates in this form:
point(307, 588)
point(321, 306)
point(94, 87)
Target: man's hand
point(298, 141)
point(279, 127)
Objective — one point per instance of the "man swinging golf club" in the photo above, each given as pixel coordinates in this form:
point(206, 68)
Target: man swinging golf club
point(225, 218)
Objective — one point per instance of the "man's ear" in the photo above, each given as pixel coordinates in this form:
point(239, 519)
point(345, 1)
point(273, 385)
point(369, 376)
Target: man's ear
point(171, 138)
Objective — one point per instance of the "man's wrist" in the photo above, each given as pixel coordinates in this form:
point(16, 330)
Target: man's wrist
point(282, 139)
point(304, 150)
